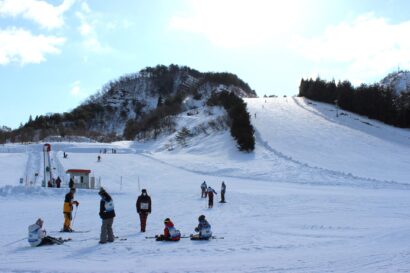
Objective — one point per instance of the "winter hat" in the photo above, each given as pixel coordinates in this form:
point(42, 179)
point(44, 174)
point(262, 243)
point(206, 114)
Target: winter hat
point(144, 191)
point(102, 191)
point(201, 218)
point(167, 220)
point(72, 190)
point(39, 222)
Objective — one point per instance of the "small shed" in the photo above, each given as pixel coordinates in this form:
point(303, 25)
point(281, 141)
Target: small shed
point(81, 178)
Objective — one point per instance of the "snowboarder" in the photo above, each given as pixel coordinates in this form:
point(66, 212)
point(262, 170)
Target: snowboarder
point(71, 183)
point(170, 232)
point(58, 182)
point(37, 236)
point(107, 214)
point(203, 229)
point(210, 193)
point(68, 210)
point(203, 189)
point(98, 158)
point(223, 190)
point(143, 208)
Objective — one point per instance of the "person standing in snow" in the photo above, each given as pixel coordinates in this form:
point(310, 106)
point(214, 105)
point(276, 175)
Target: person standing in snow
point(210, 194)
point(71, 183)
point(203, 189)
point(223, 189)
point(170, 232)
point(58, 182)
point(107, 214)
point(143, 208)
point(37, 236)
point(68, 209)
point(203, 229)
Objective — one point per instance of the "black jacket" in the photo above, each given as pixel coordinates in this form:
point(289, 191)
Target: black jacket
point(143, 199)
point(104, 213)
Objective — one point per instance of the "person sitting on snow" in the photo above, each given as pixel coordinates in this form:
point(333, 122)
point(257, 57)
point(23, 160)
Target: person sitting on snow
point(170, 232)
point(203, 229)
point(37, 236)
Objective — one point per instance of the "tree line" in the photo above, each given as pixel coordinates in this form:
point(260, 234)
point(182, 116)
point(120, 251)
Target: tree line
point(374, 101)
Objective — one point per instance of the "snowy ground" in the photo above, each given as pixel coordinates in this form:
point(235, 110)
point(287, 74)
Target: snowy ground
point(291, 207)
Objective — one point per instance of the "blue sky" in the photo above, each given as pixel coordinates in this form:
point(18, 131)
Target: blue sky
point(55, 53)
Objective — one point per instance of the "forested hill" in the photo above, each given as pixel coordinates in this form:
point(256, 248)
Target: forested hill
point(154, 91)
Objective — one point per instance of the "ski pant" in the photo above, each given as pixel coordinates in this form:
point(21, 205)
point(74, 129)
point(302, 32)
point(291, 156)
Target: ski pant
point(143, 220)
point(106, 230)
point(211, 201)
point(203, 193)
point(67, 220)
point(222, 196)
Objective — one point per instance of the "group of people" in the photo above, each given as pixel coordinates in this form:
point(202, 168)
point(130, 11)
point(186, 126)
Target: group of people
point(54, 183)
point(208, 191)
point(37, 235)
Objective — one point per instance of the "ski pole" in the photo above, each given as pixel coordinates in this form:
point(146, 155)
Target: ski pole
point(14, 242)
point(75, 214)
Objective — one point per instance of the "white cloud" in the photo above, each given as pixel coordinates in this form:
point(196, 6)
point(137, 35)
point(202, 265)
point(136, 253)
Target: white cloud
point(41, 12)
point(76, 91)
point(368, 47)
point(239, 23)
point(21, 46)
point(88, 31)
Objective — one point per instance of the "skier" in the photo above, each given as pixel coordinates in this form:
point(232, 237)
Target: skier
point(210, 193)
point(143, 208)
point(203, 229)
point(107, 214)
point(58, 182)
point(170, 232)
point(98, 158)
point(37, 236)
point(203, 190)
point(68, 210)
point(223, 190)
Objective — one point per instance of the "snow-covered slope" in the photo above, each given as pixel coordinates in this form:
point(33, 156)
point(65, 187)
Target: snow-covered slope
point(291, 207)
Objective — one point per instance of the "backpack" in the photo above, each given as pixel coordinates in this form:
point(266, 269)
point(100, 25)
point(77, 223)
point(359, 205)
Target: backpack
point(174, 234)
point(109, 206)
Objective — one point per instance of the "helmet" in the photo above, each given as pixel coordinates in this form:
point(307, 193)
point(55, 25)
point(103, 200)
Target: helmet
point(201, 218)
point(167, 220)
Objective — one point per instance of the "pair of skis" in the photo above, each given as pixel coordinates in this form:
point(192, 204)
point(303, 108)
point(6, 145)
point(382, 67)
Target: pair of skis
point(190, 236)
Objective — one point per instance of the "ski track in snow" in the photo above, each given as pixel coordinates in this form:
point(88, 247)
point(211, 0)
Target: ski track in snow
point(276, 218)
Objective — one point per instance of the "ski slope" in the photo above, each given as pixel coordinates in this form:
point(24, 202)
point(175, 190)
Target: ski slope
point(290, 208)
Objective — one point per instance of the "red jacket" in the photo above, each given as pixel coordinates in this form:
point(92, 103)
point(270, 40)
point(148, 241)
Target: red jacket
point(166, 231)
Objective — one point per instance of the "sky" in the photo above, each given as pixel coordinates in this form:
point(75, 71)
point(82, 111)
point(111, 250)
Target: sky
point(56, 53)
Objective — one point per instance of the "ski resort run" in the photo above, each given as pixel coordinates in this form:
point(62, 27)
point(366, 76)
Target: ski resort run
point(320, 193)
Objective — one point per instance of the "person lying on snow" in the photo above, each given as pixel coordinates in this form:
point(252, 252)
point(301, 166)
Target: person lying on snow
point(170, 232)
point(37, 236)
point(203, 229)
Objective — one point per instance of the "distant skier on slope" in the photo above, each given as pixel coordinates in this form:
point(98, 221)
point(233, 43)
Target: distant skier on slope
point(71, 183)
point(37, 236)
point(203, 229)
point(170, 232)
point(223, 190)
point(143, 208)
point(210, 194)
point(58, 182)
point(203, 189)
point(107, 214)
point(68, 210)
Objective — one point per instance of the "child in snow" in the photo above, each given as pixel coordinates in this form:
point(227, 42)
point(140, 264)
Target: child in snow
point(210, 193)
point(68, 209)
point(37, 236)
point(170, 232)
point(203, 189)
point(107, 215)
point(203, 229)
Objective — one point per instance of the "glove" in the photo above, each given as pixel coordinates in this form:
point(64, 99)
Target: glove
point(197, 229)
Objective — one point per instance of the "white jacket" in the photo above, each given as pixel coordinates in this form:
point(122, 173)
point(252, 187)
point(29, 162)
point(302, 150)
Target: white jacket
point(35, 234)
